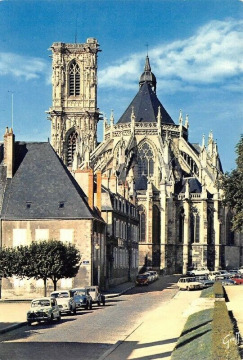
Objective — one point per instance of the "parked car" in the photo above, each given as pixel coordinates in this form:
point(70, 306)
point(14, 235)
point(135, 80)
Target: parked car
point(199, 271)
point(65, 301)
point(206, 282)
point(233, 272)
point(189, 283)
point(225, 280)
point(224, 272)
point(43, 309)
point(212, 274)
point(97, 297)
point(153, 274)
point(142, 279)
point(238, 279)
point(82, 298)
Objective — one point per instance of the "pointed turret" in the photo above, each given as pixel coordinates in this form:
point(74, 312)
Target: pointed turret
point(148, 76)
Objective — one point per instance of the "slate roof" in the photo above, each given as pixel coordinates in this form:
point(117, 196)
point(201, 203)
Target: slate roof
point(194, 186)
point(145, 105)
point(42, 187)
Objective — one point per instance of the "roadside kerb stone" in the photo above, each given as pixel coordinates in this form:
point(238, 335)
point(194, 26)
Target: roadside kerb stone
point(12, 327)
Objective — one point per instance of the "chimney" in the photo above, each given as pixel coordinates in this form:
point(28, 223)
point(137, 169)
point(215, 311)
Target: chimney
point(98, 180)
point(85, 179)
point(9, 152)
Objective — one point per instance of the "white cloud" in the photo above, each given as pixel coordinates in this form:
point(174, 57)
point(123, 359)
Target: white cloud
point(211, 56)
point(24, 67)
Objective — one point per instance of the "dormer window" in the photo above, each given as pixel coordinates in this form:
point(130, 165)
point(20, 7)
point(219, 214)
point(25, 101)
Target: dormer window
point(61, 204)
point(28, 205)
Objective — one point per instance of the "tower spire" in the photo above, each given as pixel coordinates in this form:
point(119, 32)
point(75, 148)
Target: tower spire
point(148, 76)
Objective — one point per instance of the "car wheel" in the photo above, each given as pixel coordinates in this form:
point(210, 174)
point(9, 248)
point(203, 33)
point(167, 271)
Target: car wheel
point(51, 319)
point(90, 305)
point(29, 323)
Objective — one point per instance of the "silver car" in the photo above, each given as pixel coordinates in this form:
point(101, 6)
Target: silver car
point(43, 309)
point(65, 301)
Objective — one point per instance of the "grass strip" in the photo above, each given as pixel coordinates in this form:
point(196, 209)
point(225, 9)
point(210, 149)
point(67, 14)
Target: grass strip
point(196, 337)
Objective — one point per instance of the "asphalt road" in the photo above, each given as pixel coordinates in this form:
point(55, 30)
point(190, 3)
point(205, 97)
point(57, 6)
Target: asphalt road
point(89, 334)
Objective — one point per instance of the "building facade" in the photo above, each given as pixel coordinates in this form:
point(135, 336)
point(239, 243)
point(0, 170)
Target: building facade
point(147, 158)
point(41, 200)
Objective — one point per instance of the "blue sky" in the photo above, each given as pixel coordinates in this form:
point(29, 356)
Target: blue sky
point(195, 49)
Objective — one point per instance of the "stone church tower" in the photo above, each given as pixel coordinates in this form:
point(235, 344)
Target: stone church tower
point(74, 113)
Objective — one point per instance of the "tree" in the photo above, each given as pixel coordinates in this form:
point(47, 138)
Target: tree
point(7, 262)
point(232, 184)
point(47, 260)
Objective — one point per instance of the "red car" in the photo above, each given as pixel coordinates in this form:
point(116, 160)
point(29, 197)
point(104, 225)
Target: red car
point(238, 279)
point(142, 279)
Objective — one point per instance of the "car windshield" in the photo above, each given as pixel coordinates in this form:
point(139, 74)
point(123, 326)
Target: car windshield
point(40, 303)
point(60, 295)
point(78, 292)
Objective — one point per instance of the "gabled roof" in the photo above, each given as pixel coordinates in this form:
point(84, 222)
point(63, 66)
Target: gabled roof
point(145, 105)
point(42, 187)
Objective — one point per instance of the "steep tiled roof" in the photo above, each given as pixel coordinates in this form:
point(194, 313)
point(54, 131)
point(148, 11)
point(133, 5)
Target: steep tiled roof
point(42, 187)
point(145, 105)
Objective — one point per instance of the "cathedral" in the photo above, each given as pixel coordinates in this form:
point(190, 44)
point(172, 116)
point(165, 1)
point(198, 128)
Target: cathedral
point(147, 159)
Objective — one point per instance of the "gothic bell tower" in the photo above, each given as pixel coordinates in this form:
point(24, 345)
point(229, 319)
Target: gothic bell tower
point(74, 114)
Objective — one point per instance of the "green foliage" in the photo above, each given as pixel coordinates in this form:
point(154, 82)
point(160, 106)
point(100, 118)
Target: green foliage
point(224, 341)
point(43, 260)
point(7, 262)
point(208, 335)
point(232, 184)
point(53, 260)
point(208, 292)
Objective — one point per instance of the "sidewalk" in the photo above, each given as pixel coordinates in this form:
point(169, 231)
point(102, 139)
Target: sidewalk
point(235, 296)
point(13, 312)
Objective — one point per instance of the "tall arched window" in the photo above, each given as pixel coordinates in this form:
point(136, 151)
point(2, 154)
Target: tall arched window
point(156, 225)
point(195, 227)
point(72, 140)
point(210, 231)
point(142, 216)
point(145, 160)
point(181, 225)
point(74, 79)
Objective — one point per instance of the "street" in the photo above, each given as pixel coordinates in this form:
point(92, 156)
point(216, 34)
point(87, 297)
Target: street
point(89, 334)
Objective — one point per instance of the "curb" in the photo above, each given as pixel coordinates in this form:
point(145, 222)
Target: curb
point(119, 294)
point(13, 327)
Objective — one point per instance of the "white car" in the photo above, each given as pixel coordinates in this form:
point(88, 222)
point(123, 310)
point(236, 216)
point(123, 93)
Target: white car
point(65, 301)
point(97, 297)
point(213, 274)
point(43, 309)
point(199, 272)
point(189, 283)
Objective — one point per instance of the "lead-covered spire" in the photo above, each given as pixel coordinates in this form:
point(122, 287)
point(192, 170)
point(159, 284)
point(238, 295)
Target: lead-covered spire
point(148, 76)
